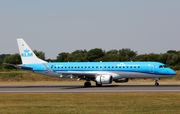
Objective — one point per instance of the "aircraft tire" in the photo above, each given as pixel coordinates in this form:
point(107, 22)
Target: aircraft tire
point(87, 84)
point(156, 84)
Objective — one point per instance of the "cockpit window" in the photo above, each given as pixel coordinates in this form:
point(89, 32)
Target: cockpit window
point(163, 66)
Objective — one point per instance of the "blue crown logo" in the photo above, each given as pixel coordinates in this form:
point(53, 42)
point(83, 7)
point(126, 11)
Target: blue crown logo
point(26, 51)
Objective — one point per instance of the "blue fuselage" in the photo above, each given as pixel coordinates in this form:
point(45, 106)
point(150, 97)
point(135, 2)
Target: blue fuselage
point(116, 69)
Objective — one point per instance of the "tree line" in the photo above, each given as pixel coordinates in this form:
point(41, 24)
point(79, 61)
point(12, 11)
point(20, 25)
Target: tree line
point(171, 58)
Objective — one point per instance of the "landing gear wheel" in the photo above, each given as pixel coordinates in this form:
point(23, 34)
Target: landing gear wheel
point(156, 84)
point(98, 85)
point(87, 84)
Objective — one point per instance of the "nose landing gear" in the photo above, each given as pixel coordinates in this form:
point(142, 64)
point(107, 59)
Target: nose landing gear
point(156, 82)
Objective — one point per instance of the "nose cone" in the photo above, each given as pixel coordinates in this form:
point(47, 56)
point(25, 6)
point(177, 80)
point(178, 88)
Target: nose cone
point(172, 72)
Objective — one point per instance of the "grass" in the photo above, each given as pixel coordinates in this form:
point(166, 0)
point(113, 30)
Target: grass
point(90, 103)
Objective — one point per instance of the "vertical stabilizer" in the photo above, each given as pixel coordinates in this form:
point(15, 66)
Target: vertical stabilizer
point(27, 55)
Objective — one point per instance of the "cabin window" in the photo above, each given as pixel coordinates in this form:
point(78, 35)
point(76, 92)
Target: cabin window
point(65, 67)
point(85, 67)
point(138, 66)
point(68, 67)
point(108, 66)
point(131, 67)
point(123, 66)
point(92, 66)
point(81, 67)
point(75, 67)
point(96, 66)
point(61, 67)
point(71, 67)
point(165, 66)
point(100, 66)
point(134, 66)
point(112, 67)
point(160, 66)
point(119, 66)
point(127, 67)
point(105, 67)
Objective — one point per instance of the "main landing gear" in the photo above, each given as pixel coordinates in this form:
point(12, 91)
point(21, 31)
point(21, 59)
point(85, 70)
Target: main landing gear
point(98, 85)
point(87, 84)
point(156, 82)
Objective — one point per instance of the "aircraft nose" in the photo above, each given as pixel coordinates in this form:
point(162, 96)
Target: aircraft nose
point(172, 72)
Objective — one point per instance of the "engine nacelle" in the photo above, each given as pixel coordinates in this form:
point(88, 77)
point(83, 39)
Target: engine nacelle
point(121, 80)
point(104, 79)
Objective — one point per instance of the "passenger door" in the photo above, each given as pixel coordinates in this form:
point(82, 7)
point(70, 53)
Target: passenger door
point(151, 68)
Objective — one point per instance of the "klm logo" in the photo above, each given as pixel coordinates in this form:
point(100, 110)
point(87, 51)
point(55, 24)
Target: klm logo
point(26, 53)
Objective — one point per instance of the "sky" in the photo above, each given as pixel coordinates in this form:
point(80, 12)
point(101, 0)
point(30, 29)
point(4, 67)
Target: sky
point(56, 26)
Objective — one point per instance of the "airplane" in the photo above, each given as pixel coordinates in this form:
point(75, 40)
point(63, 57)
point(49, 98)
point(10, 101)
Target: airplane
point(99, 72)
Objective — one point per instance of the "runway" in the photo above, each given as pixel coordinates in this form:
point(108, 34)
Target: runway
point(93, 89)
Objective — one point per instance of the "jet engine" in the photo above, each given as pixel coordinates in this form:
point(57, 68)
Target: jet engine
point(104, 79)
point(121, 80)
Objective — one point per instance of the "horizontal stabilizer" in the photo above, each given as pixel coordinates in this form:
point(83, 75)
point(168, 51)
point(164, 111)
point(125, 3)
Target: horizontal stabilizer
point(18, 66)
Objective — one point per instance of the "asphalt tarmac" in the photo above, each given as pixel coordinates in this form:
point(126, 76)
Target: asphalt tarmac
point(92, 89)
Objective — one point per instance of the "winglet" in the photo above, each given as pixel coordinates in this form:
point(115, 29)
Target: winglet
point(48, 68)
